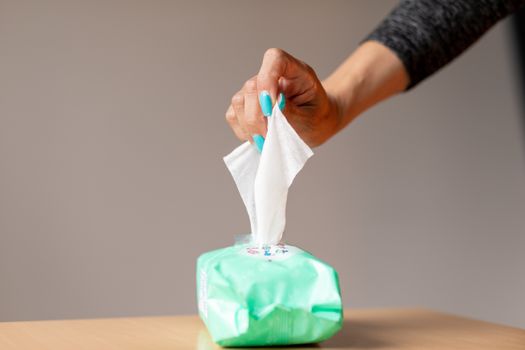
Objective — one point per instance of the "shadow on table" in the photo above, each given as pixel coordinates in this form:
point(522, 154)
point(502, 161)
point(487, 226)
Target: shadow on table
point(356, 335)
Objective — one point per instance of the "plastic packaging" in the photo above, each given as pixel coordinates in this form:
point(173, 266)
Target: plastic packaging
point(278, 295)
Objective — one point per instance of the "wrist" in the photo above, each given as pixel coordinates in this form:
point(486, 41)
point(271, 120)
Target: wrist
point(344, 95)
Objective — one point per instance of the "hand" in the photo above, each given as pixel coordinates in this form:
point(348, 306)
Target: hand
point(311, 112)
point(316, 111)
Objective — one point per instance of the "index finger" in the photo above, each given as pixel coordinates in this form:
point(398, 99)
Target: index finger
point(275, 65)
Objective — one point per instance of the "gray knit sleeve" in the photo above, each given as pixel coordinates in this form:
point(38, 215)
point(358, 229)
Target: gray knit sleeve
point(428, 34)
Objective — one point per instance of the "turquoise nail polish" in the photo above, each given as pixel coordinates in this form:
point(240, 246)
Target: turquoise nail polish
point(259, 142)
point(282, 101)
point(266, 103)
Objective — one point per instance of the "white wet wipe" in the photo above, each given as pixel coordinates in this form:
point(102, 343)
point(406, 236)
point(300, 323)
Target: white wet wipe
point(263, 179)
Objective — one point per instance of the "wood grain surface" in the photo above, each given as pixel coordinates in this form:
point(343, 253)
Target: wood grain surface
point(363, 329)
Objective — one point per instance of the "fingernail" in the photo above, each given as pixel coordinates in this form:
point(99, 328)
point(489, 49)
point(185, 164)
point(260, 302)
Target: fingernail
point(282, 101)
point(266, 103)
point(259, 142)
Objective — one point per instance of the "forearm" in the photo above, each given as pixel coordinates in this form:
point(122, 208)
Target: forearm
point(371, 74)
point(428, 34)
point(414, 41)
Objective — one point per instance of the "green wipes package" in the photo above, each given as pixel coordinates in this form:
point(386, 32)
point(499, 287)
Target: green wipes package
point(276, 295)
point(262, 292)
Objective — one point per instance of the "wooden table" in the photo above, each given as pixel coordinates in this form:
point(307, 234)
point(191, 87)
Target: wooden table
point(363, 329)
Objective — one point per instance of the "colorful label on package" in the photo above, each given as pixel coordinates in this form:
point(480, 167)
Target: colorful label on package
point(271, 252)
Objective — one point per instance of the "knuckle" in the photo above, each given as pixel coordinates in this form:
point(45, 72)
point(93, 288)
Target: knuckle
point(250, 85)
point(308, 68)
point(274, 53)
point(237, 99)
point(313, 88)
point(230, 116)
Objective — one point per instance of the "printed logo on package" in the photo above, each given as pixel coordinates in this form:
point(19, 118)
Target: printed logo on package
point(271, 252)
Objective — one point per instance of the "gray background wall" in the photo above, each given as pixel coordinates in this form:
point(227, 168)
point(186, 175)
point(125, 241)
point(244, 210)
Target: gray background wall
point(112, 182)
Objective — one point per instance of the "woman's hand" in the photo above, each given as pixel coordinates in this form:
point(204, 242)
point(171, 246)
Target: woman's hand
point(316, 111)
point(308, 108)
